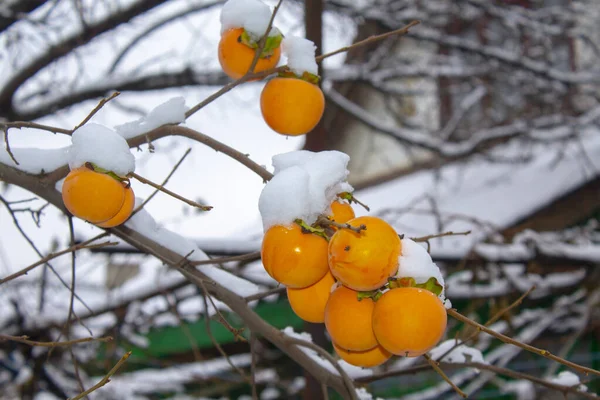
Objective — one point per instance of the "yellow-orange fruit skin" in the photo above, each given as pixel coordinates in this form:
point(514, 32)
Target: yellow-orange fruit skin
point(341, 212)
point(309, 303)
point(364, 261)
point(409, 321)
point(365, 359)
point(293, 258)
point(349, 321)
point(123, 214)
point(236, 58)
point(291, 106)
point(92, 196)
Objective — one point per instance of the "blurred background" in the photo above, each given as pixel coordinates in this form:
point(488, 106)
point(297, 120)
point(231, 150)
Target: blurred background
point(484, 118)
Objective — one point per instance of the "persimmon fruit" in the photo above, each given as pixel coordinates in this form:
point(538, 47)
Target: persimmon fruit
point(236, 57)
point(365, 359)
point(123, 214)
point(292, 257)
point(92, 196)
point(309, 303)
point(409, 321)
point(349, 320)
point(291, 106)
point(341, 212)
point(364, 260)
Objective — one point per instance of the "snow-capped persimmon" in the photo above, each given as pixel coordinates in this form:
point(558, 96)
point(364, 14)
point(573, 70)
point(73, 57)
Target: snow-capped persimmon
point(349, 320)
point(92, 196)
point(291, 106)
point(409, 321)
point(236, 57)
point(309, 303)
point(365, 359)
point(364, 260)
point(292, 257)
point(341, 212)
point(123, 214)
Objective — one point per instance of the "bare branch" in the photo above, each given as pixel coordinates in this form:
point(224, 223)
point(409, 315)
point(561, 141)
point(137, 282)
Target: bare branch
point(25, 340)
point(106, 378)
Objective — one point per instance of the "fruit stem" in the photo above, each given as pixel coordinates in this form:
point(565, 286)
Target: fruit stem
point(311, 229)
point(350, 197)
point(101, 170)
point(324, 221)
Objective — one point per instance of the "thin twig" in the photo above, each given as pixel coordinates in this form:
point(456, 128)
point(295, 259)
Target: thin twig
point(437, 369)
point(96, 109)
point(438, 235)
point(164, 182)
point(80, 246)
point(262, 295)
point(106, 378)
point(170, 193)
point(7, 145)
point(253, 355)
point(242, 257)
point(370, 39)
point(34, 125)
point(544, 353)
point(25, 340)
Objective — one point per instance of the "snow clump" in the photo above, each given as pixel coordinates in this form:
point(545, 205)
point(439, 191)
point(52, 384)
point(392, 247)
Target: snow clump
point(568, 378)
point(170, 112)
point(252, 15)
point(101, 146)
point(300, 54)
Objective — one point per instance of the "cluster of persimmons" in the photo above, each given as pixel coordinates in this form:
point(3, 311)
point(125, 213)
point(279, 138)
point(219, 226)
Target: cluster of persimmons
point(343, 275)
point(98, 196)
point(290, 104)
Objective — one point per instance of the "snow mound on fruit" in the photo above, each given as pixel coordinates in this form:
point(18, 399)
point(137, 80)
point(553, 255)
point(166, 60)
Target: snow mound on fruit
point(415, 262)
point(252, 15)
point(300, 54)
point(102, 146)
point(304, 185)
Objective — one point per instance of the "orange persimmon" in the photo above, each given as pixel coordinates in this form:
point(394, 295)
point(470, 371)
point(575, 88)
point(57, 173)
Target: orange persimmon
point(292, 257)
point(236, 57)
point(309, 303)
point(291, 106)
point(364, 260)
point(123, 214)
point(349, 320)
point(92, 196)
point(365, 359)
point(341, 212)
point(409, 321)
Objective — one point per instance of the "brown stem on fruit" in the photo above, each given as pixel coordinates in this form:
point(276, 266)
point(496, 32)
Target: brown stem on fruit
point(25, 340)
point(524, 346)
point(324, 221)
point(167, 191)
point(85, 245)
point(263, 40)
point(370, 39)
point(437, 369)
point(104, 380)
point(438, 235)
point(96, 109)
point(164, 182)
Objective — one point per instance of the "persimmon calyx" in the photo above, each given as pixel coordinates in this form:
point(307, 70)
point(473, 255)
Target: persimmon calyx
point(271, 43)
point(101, 170)
point(350, 197)
point(432, 284)
point(306, 76)
point(311, 229)
point(371, 294)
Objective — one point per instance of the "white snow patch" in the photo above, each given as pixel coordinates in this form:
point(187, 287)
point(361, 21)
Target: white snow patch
point(300, 54)
point(568, 378)
point(415, 262)
point(170, 112)
point(524, 390)
point(33, 160)
point(102, 146)
point(270, 393)
point(461, 354)
point(252, 15)
point(304, 185)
